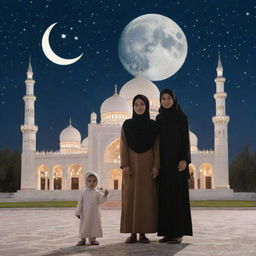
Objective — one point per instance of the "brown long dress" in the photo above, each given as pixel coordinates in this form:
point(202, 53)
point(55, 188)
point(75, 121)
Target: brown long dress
point(139, 198)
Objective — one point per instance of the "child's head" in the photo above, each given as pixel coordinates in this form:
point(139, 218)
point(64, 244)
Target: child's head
point(91, 181)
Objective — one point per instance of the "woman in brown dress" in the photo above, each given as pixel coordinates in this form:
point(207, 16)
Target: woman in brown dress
point(139, 152)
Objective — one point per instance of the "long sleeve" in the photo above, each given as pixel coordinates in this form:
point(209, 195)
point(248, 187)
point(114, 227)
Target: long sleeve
point(156, 163)
point(124, 157)
point(185, 154)
point(79, 207)
point(101, 198)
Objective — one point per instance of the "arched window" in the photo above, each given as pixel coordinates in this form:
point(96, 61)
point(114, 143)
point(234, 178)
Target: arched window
point(57, 177)
point(43, 178)
point(206, 176)
point(76, 174)
point(112, 152)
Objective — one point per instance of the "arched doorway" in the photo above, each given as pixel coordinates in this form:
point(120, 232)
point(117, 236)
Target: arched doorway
point(192, 174)
point(115, 179)
point(58, 177)
point(112, 152)
point(206, 175)
point(43, 178)
point(76, 174)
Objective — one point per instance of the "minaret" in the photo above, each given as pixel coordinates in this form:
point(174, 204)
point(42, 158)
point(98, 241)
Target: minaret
point(29, 130)
point(220, 121)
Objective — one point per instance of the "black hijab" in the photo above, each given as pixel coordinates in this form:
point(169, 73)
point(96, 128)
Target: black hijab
point(174, 113)
point(140, 131)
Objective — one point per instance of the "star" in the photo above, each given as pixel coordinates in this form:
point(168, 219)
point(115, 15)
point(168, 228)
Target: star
point(63, 36)
point(76, 37)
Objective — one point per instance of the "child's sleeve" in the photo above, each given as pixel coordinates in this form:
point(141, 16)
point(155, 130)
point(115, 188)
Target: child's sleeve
point(101, 198)
point(79, 206)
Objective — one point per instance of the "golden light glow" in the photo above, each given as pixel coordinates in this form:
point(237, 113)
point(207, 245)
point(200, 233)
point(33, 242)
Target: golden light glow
point(112, 152)
point(42, 171)
point(206, 169)
point(58, 171)
point(75, 170)
point(114, 117)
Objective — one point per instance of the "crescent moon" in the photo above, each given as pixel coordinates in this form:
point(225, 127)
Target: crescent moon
point(49, 53)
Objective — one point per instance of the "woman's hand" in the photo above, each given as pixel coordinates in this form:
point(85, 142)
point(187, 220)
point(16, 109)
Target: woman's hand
point(155, 172)
point(127, 169)
point(182, 165)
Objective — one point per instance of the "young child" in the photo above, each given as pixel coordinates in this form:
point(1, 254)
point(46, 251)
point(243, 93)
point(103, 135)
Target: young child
point(88, 211)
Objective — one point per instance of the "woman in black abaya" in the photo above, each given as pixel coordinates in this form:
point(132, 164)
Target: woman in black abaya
point(174, 220)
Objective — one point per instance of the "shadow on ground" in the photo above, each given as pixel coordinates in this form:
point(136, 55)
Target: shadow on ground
point(122, 249)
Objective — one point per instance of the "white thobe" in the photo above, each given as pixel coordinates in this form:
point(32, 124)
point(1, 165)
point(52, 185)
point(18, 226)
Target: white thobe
point(88, 208)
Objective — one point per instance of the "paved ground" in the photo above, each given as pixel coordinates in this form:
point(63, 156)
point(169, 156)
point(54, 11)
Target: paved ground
point(54, 232)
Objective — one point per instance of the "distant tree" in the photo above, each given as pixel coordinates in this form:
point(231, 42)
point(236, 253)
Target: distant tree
point(10, 170)
point(242, 172)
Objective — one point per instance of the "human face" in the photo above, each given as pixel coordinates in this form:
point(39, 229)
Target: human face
point(166, 100)
point(139, 107)
point(91, 182)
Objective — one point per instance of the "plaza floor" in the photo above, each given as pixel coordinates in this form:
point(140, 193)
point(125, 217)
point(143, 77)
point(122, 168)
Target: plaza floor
point(51, 232)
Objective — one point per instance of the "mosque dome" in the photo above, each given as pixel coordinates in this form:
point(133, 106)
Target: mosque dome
point(115, 109)
point(70, 134)
point(139, 85)
point(193, 141)
point(115, 103)
point(85, 143)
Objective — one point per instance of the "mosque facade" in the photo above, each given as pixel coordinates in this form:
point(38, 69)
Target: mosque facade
point(65, 168)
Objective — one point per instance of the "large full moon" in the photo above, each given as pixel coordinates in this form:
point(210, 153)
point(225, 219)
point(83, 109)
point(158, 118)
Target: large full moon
point(154, 46)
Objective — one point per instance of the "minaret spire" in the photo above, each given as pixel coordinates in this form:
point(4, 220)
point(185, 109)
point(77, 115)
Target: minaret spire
point(219, 62)
point(30, 70)
point(29, 65)
point(116, 93)
point(220, 121)
point(219, 68)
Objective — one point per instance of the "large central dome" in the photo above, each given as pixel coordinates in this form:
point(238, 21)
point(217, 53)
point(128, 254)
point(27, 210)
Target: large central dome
point(140, 85)
point(115, 104)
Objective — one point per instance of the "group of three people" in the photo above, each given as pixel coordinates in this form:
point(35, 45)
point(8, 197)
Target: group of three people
point(154, 159)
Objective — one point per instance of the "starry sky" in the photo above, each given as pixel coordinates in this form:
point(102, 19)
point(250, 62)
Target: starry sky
point(94, 27)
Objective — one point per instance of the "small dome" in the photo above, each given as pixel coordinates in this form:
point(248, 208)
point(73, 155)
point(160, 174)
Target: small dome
point(140, 85)
point(85, 143)
point(70, 134)
point(193, 139)
point(115, 104)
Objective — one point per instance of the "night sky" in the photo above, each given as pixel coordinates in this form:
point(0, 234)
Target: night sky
point(94, 28)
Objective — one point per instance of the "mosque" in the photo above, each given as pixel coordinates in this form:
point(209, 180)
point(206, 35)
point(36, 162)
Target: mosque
point(65, 169)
